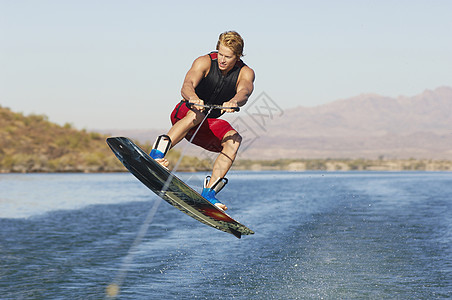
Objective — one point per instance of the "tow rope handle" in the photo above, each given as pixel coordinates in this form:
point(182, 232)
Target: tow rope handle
point(213, 106)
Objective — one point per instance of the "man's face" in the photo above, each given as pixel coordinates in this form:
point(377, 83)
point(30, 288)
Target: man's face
point(226, 58)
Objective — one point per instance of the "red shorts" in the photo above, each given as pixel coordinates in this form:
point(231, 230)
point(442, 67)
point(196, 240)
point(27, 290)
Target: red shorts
point(211, 133)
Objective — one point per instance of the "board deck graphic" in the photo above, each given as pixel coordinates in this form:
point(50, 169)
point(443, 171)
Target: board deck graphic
point(177, 193)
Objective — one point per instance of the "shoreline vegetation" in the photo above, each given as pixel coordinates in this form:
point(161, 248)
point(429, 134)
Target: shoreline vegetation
point(32, 144)
point(346, 165)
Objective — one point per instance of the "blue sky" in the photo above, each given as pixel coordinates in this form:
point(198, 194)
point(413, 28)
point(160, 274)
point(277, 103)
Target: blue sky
point(120, 64)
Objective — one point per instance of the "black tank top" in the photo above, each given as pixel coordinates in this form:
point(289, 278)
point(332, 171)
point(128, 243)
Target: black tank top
point(216, 88)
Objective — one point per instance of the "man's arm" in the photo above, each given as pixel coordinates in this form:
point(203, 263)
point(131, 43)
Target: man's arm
point(245, 87)
point(197, 72)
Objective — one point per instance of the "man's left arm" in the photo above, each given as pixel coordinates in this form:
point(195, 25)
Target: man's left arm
point(245, 87)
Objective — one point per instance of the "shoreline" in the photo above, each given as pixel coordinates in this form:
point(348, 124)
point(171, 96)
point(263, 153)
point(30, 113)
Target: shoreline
point(396, 165)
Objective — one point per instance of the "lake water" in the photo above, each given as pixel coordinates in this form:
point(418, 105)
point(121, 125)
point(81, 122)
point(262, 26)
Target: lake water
point(319, 235)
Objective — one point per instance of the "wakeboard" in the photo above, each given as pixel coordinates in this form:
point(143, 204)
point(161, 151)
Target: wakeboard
point(171, 189)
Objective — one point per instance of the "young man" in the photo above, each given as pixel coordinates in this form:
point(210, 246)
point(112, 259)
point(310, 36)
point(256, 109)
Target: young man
point(219, 78)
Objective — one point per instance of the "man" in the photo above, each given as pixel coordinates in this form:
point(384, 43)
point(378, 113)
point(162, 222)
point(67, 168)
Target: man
point(219, 78)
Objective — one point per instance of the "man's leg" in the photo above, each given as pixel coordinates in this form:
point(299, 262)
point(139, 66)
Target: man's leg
point(180, 130)
point(183, 126)
point(231, 143)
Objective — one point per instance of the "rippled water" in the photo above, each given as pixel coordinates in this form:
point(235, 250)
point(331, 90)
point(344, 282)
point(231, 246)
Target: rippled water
point(318, 235)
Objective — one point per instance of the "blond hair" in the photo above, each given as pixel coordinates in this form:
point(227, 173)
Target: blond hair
point(233, 41)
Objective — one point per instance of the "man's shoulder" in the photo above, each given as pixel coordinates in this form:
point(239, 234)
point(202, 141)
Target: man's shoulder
point(202, 61)
point(247, 71)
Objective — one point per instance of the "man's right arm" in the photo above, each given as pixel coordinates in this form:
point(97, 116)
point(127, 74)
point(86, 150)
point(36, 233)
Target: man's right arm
point(197, 72)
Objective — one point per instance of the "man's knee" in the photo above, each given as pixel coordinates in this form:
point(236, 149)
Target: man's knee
point(238, 138)
point(192, 118)
point(232, 140)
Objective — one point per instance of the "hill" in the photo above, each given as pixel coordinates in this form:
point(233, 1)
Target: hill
point(368, 126)
point(33, 144)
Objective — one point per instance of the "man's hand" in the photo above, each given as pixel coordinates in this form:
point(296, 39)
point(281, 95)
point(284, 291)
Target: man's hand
point(197, 101)
point(229, 104)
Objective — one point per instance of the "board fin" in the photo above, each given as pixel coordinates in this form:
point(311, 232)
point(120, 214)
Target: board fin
point(235, 233)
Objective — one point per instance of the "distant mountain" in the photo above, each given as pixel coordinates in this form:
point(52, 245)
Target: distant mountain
point(368, 126)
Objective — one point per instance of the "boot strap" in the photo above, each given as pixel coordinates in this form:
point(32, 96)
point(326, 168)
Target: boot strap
point(218, 184)
point(163, 144)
